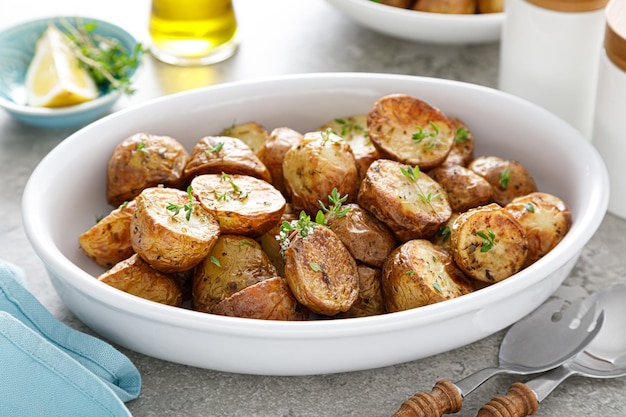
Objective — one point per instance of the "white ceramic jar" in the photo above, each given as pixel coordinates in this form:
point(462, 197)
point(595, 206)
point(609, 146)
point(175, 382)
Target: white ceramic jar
point(609, 133)
point(549, 55)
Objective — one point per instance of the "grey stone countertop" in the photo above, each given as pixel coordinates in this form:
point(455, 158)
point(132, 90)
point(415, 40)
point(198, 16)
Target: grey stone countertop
point(285, 37)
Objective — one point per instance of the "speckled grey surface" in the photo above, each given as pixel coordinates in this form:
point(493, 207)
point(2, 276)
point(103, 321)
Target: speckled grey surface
point(283, 37)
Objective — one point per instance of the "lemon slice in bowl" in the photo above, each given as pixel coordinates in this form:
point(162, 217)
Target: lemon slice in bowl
point(54, 77)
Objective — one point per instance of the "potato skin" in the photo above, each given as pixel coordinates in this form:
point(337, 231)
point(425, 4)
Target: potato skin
point(370, 300)
point(242, 205)
point(419, 273)
point(272, 153)
point(333, 288)
point(367, 239)
point(108, 241)
point(402, 204)
point(137, 277)
point(446, 6)
point(546, 220)
point(494, 168)
point(141, 161)
point(270, 299)
point(217, 154)
point(462, 151)
point(472, 252)
point(171, 243)
point(321, 162)
point(406, 129)
point(251, 133)
point(235, 262)
point(490, 6)
point(465, 188)
point(353, 129)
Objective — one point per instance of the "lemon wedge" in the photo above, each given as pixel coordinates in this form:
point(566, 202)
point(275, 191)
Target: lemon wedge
point(54, 77)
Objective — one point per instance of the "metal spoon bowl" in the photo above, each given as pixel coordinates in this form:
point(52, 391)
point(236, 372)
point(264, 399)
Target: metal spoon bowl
point(603, 357)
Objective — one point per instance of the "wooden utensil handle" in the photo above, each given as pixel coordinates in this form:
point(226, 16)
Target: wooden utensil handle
point(445, 398)
point(519, 401)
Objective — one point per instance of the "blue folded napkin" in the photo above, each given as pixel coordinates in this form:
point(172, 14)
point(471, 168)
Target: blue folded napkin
point(49, 369)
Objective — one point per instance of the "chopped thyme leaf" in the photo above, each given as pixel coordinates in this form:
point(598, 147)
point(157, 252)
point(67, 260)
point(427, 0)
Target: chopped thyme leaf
point(529, 207)
point(437, 287)
point(488, 240)
point(215, 261)
point(315, 267)
point(462, 135)
point(444, 232)
point(505, 177)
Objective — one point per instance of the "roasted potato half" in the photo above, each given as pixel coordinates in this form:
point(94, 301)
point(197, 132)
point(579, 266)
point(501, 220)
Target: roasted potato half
point(368, 239)
point(418, 273)
point(353, 129)
point(465, 188)
point(446, 6)
point(320, 271)
point(141, 161)
point(321, 162)
point(235, 262)
point(508, 178)
point(488, 243)
point(408, 201)
point(251, 133)
point(409, 130)
point(137, 277)
point(546, 220)
point(108, 241)
point(270, 299)
point(242, 205)
point(217, 154)
point(490, 6)
point(370, 300)
point(273, 151)
point(170, 230)
point(462, 151)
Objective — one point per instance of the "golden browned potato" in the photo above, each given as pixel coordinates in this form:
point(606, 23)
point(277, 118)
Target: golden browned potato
point(418, 273)
point(242, 205)
point(409, 130)
point(235, 262)
point(462, 151)
point(141, 161)
point(488, 244)
point(251, 133)
point(273, 151)
point(370, 300)
point(137, 277)
point(403, 4)
point(490, 6)
point(446, 6)
point(217, 154)
point(353, 129)
point(508, 178)
point(312, 169)
point(108, 241)
point(408, 201)
point(170, 230)
point(546, 219)
point(368, 239)
point(320, 271)
point(270, 299)
point(465, 188)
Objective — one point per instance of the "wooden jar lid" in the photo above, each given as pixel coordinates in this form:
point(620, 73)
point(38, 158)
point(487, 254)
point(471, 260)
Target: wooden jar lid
point(615, 35)
point(570, 5)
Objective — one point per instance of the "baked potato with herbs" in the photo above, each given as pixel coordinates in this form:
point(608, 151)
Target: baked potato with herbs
point(272, 153)
point(508, 178)
point(251, 133)
point(234, 263)
point(170, 230)
point(465, 188)
point(418, 273)
point(141, 161)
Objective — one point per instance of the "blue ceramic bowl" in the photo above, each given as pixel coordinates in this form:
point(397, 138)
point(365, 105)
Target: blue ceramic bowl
point(17, 47)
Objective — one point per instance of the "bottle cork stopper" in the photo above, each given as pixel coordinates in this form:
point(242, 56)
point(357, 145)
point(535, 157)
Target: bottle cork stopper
point(572, 6)
point(615, 35)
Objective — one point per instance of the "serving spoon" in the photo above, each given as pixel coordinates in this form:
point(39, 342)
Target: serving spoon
point(560, 334)
point(604, 357)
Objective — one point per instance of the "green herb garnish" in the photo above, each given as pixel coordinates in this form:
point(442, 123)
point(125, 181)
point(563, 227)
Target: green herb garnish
point(488, 240)
point(505, 177)
point(337, 202)
point(461, 135)
point(188, 208)
point(529, 207)
point(303, 226)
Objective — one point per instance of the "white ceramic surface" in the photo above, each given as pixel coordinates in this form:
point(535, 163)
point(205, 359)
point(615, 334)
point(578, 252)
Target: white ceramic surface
point(411, 25)
point(66, 192)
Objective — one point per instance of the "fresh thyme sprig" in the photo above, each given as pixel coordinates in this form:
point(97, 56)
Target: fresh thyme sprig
point(188, 208)
point(505, 177)
point(302, 226)
point(413, 173)
point(109, 63)
point(488, 240)
point(349, 128)
point(335, 209)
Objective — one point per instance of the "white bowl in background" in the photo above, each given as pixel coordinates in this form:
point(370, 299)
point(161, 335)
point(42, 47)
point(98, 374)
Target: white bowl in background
point(67, 191)
point(412, 25)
